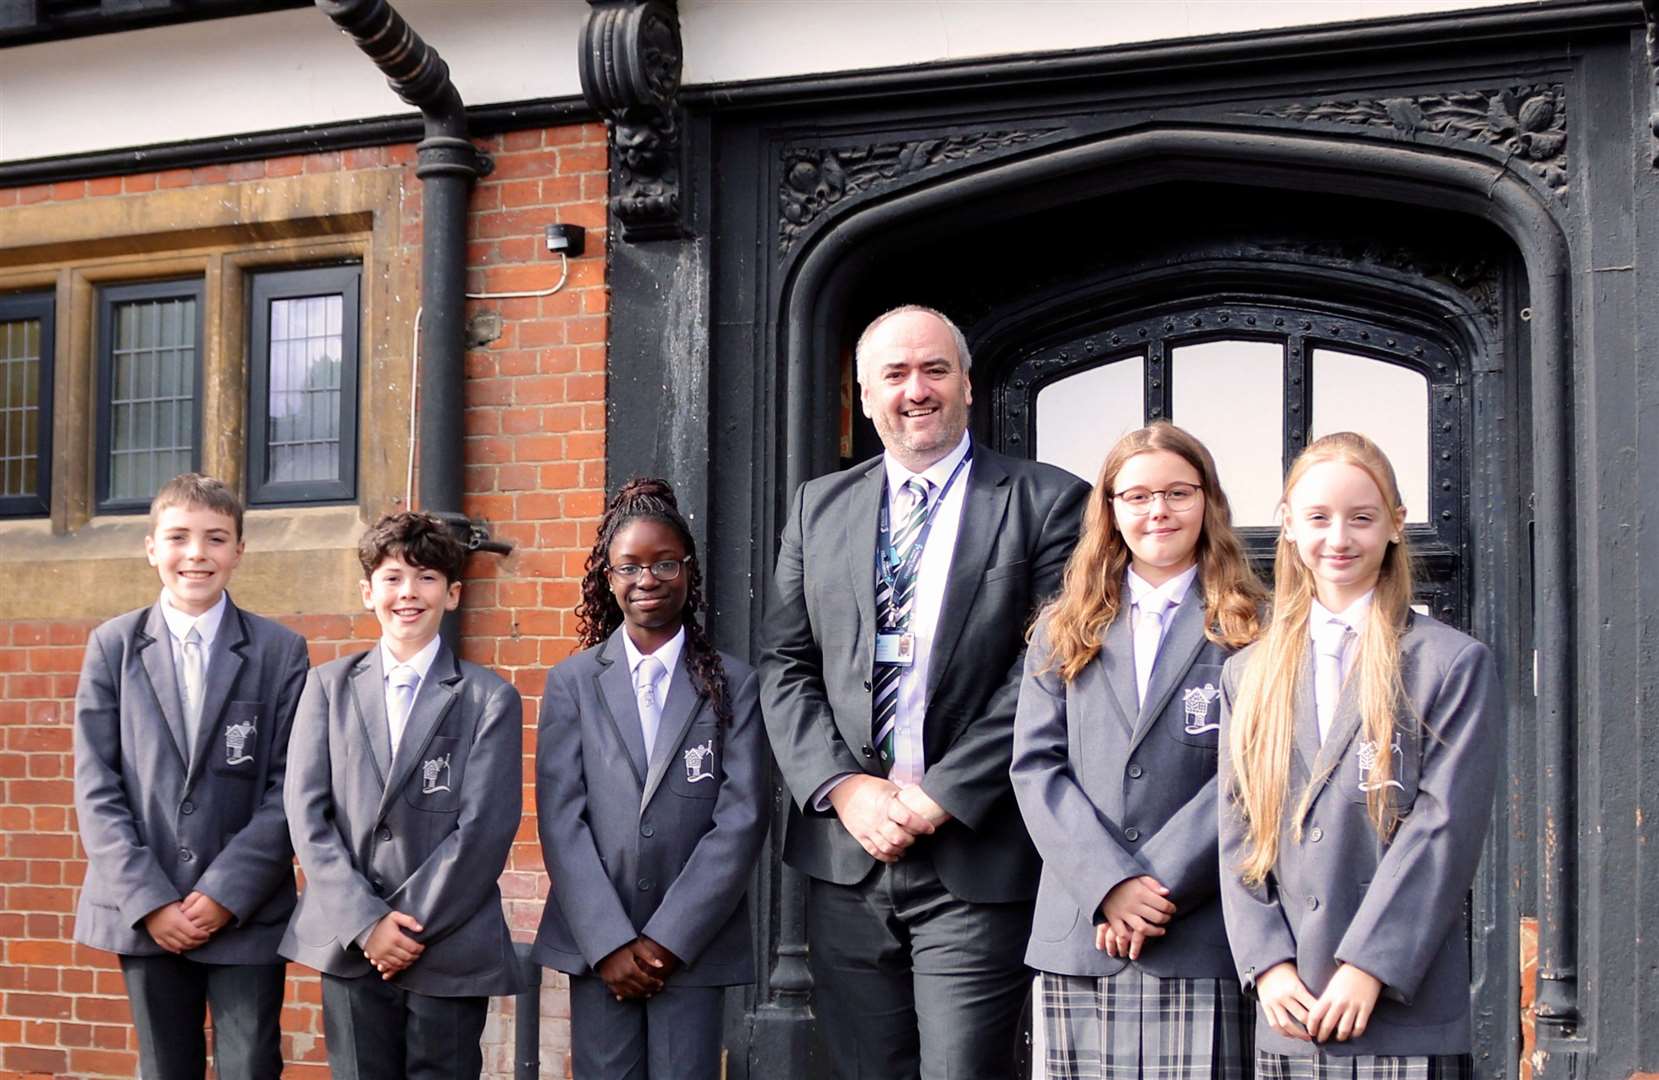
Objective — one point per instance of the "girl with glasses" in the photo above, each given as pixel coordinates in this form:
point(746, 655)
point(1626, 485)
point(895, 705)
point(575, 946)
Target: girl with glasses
point(1115, 771)
point(650, 807)
point(1360, 746)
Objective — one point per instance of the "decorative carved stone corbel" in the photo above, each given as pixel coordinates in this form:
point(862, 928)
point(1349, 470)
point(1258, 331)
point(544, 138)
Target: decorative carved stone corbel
point(1650, 12)
point(630, 71)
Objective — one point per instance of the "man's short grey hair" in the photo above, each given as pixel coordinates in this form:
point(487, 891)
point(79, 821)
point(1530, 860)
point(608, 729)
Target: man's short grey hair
point(962, 355)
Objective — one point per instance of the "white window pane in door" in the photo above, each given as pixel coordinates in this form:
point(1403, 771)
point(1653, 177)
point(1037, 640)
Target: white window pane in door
point(1080, 416)
point(1231, 395)
point(1386, 403)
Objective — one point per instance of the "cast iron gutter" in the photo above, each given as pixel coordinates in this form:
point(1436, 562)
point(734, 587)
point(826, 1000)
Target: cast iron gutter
point(447, 164)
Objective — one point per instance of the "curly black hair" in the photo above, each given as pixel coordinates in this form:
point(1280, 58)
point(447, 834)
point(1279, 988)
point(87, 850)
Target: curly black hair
point(598, 616)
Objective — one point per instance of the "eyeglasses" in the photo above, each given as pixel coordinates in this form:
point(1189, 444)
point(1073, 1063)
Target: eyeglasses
point(1177, 497)
point(664, 570)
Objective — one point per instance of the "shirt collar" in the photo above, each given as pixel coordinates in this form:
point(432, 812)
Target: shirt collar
point(420, 663)
point(669, 654)
point(936, 474)
point(1172, 591)
point(206, 624)
point(1353, 616)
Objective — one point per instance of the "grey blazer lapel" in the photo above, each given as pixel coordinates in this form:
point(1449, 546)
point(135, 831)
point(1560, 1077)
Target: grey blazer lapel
point(983, 506)
point(681, 708)
point(1306, 732)
point(1344, 726)
point(223, 666)
point(616, 692)
point(156, 652)
point(862, 535)
point(1117, 663)
point(368, 688)
point(433, 698)
point(1181, 643)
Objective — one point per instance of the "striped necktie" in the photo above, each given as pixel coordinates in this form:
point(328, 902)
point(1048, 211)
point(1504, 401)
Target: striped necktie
point(893, 601)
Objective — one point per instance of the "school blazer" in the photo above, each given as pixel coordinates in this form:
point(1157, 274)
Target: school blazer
point(425, 832)
point(1020, 520)
point(1111, 790)
point(1339, 894)
point(662, 847)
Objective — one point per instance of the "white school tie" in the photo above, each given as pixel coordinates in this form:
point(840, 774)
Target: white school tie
point(405, 682)
point(190, 667)
point(650, 708)
point(1330, 641)
point(1149, 634)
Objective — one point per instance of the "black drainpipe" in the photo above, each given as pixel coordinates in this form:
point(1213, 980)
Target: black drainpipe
point(447, 164)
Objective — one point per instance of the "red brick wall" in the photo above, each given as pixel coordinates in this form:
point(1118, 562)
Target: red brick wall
point(534, 467)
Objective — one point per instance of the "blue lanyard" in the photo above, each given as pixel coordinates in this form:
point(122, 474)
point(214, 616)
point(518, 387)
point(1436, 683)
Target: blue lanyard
point(893, 572)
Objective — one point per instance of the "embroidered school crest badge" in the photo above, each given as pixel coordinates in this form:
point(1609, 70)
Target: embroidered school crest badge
point(1197, 701)
point(699, 763)
point(435, 775)
point(1365, 753)
point(237, 737)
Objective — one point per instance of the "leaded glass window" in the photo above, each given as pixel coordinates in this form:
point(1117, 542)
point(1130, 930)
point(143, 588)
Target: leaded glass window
point(26, 347)
point(149, 349)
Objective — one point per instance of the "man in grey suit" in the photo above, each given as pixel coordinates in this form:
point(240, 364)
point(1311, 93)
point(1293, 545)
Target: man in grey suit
point(890, 671)
point(403, 797)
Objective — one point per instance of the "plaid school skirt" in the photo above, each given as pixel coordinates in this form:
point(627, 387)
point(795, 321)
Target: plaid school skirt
point(1135, 1026)
point(1317, 1066)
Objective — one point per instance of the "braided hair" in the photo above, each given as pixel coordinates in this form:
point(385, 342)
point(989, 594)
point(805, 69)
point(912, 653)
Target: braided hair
point(598, 616)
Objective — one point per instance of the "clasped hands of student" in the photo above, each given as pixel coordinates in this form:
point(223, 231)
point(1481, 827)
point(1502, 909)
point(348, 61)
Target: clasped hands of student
point(638, 969)
point(388, 948)
point(1135, 909)
point(1341, 1012)
point(882, 816)
point(187, 924)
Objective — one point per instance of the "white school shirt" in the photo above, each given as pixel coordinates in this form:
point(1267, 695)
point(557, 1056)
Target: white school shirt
point(178, 625)
point(669, 655)
point(420, 664)
point(1352, 617)
point(932, 572)
point(1173, 591)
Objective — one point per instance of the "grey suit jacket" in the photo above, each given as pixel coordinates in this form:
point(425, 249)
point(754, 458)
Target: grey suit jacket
point(1340, 896)
point(1019, 523)
point(161, 819)
point(426, 831)
point(1111, 791)
point(662, 847)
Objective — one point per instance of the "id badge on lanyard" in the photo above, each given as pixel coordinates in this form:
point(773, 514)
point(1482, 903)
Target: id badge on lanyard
point(896, 645)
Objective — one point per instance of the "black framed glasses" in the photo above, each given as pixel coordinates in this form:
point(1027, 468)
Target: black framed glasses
point(1177, 497)
point(662, 570)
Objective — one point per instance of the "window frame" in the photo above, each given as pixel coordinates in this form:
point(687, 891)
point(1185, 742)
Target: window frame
point(41, 306)
point(275, 283)
point(108, 297)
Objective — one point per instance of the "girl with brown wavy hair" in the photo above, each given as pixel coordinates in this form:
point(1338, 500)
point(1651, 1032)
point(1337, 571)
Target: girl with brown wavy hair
point(1114, 768)
point(1360, 749)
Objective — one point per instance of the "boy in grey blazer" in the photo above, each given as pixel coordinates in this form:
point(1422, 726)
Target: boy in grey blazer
point(181, 730)
point(403, 798)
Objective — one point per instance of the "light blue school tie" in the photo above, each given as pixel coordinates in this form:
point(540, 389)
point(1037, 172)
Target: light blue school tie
point(650, 708)
point(1330, 641)
point(405, 682)
point(190, 667)
point(1149, 634)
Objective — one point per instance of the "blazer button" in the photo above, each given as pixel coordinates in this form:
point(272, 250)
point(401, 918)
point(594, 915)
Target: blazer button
point(186, 855)
point(866, 684)
point(188, 807)
point(1131, 834)
point(647, 831)
point(644, 884)
point(867, 750)
point(1316, 834)
point(1134, 772)
point(385, 833)
point(1313, 903)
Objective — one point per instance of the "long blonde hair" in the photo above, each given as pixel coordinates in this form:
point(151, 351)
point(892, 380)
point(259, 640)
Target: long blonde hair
point(1091, 595)
point(1264, 715)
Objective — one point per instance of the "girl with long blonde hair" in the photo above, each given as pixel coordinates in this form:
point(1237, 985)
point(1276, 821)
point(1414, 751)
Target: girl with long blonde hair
point(1114, 767)
point(1360, 749)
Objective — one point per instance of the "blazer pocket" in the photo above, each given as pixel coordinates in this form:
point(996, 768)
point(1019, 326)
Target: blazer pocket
point(1193, 715)
point(1056, 914)
point(1357, 774)
point(699, 767)
point(238, 750)
point(1008, 569)
point(435, 785)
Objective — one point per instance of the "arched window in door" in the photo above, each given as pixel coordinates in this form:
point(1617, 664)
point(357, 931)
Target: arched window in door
point(1257, 383)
